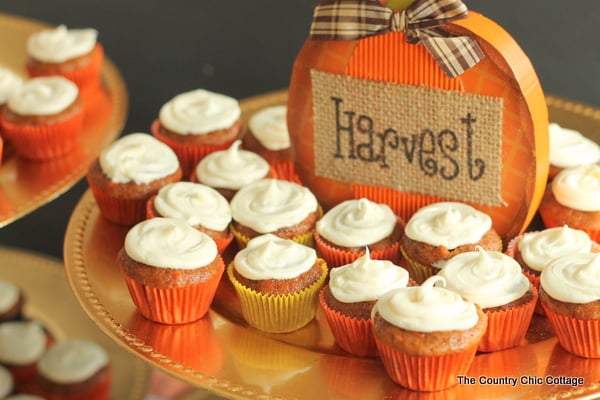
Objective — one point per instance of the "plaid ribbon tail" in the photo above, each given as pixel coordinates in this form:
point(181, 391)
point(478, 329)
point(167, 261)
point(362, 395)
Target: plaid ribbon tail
point(454, 54)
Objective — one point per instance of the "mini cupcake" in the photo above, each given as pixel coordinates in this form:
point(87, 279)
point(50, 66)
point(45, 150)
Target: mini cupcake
point(493, 281)
point(12, 299)
point(200, 206)
point(442, 230)
point(569, 148)
point(277, 281)
point(276, 206)
point(127, 173)
point(570, 296)
point(197, 123)
point(427, 336)
point(348, 300)
point(343, 233)
point(172, 270)
point(230, 170)
point(44, 119)
point(573, 199)
point(72, 53)
point(10, 83)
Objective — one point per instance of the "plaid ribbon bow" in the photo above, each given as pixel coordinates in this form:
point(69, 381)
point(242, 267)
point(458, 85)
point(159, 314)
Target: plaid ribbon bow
point(355, 19)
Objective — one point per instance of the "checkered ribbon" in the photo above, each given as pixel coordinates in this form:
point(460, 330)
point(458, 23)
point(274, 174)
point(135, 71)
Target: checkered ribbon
point(422, 21)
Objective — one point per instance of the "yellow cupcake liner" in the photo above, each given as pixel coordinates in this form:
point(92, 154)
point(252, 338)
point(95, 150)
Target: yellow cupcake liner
point(420, 272)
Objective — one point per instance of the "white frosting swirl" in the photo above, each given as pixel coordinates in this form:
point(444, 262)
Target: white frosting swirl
point(573, 278)
point(448, 224)
point(72, 360)
point(271, 257)
point(426, 308)
point(578, 187)
point(270, 204)
point(539, 248)
point(61, 44)
point(365, 279)
point(9, 83)
point(269, 127)
point(357, 222)
point(233, 168)
point(21, 342)
point(194, 203)
point(487, 278)
point(569, 147)
point(43, 96)
point(9, 295)
point(139, 158)
point(199, 112)
point(169, 243)
point(7, 382)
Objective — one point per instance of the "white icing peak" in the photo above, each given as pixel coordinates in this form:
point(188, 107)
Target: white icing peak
point(365, 279)
point(270, 204)
point(21, 342)
point(448, 224)
point(169, 243)
point(9, 295)
point(43, 96)
point(7, 382)
point(269, 127)
point(61, 44)
point(72, 360)
point(487, 278)
point(270, 257)
point(233, 168)
point(199, 112)
point(539, 248)
point(573, 278)
point(138, 157)
point(194, 203)
point(569, 147)
point(357, 222)
point(578, 187)
point(426, 308)
point(9, 83)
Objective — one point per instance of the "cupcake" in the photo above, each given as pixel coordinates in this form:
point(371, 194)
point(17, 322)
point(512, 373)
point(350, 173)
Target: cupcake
point(198, 205)
point(230, 170)
point(277, 281)
point(127, 173)
point(343, 233)
point(426, 335)
point(44, 119)
point(573, 199)
point(570, 296)
point(276, 206)
point(569, 148)
point(10, 83)
point(12, 300)
point(348, 300)
point(172, 270)
point(72, 53)
point(494, 282)
point(197, 123)
point(442, 230)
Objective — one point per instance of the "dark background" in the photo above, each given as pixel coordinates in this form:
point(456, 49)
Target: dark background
point(245, 48)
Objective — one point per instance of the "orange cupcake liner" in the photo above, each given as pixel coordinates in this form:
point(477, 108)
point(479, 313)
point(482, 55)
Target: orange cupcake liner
point(337, 257)
point(285, 170)
point(278, 313)
point(577, 336)
point(126, 212)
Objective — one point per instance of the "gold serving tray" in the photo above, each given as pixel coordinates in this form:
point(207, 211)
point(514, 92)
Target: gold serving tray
point(26, 185)
point(222, 354)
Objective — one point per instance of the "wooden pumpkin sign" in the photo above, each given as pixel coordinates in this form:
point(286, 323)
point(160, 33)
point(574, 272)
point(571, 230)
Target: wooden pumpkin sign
point(413, 106)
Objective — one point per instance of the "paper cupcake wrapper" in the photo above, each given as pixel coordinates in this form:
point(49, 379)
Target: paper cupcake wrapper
point(126, 212)
point(420, 272)
point(285, 170)
point(278, 313)
point(242, 240)
point(337, 257)
point(577, 336)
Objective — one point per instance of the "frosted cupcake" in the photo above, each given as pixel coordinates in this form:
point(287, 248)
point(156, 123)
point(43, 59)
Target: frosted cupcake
point(569, 148)
point(12, 300)
point(494, 281)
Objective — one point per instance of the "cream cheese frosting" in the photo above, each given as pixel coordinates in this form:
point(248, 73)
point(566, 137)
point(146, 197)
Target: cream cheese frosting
point(487, 278)
point(448, 224)
point(199, 112)
point(539, 248)
point(21, 342)
point(61, 44)
point(46, 95)
point(7, 382)
point(139, 158)
point(357, 222)
point(270, 204)
point(194, 203)
point(573, 278)
point(72, 360)
point(365, 279)
point(427, 308)
point(271, 257)
point(9, 295)
point(578, 187)
point(569, 147)
point(269, 127)
point(232, 168)
point(169, 243)
point(10, 83)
